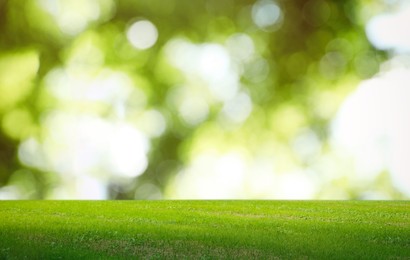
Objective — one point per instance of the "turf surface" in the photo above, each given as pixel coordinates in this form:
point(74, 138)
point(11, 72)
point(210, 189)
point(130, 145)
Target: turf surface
point(205, 229)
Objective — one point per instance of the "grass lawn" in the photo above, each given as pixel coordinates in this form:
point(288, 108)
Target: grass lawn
point(205, 229)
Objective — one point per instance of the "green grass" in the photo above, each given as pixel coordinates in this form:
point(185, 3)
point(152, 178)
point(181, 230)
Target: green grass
point(205, 229)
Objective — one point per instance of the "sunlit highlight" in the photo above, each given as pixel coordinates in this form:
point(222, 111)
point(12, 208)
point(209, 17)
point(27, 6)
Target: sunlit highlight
point(142, 34)
point(390, 30)
point(373, 124)
point(265, 14)
point(72, 16)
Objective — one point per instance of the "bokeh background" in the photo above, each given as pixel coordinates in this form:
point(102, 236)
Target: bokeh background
point(217, 99)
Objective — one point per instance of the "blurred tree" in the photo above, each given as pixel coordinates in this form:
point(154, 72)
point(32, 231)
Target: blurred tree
point(219, 72)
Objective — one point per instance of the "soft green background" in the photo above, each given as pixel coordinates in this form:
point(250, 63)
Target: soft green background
point(202, 99)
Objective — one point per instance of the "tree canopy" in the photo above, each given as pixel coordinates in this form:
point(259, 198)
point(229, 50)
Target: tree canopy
point(179, 99)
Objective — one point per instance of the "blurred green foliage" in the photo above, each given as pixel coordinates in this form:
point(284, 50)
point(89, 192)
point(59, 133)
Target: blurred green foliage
point(294, 62)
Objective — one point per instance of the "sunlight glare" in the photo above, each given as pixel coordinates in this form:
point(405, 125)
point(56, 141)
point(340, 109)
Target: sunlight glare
point(373, 124)
point(127, 151)
point(241, 47)
point(193, 110)
point(238, 109)
point(266, 13)
point(142, 34)
point(295, 186)
point(390, 30)
point(72, 16)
